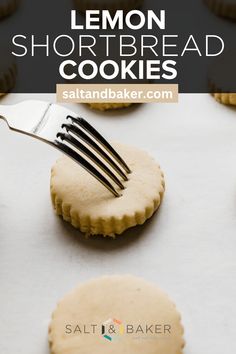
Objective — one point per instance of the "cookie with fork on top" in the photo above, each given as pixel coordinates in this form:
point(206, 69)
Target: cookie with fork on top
point(84, 202)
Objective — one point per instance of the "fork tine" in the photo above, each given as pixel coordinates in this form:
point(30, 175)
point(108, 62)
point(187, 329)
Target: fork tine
point(85, 164)
point(85, 125)
point(70, 139)
point(81, 134)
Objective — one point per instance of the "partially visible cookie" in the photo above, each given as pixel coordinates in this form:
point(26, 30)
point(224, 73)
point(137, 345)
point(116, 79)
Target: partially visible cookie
point(116, 315)
point(7, 7)
point(108, 106)
point(226, 98)
point(81, 200)
point(222, 78)
point(8, 71)
point(111, 5)
point(224, 8)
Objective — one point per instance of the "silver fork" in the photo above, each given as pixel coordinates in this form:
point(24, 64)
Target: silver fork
point(60, 128)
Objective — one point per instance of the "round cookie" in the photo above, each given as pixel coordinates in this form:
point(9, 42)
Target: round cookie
point(114, 315)
point(111, 5)
point(81, 200)
point(224, 8)
point(8, 71)
point(7, 7)
point(108, 106)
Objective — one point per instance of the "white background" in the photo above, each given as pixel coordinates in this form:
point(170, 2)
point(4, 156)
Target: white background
point(188, 248)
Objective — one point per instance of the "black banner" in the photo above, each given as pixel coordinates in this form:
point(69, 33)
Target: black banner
point(168, 42)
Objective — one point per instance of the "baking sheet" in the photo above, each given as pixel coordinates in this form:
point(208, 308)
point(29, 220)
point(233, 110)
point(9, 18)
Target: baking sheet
point(188, 248)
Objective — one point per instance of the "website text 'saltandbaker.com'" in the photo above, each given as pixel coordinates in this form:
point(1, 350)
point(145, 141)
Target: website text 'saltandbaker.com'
point(118, 93)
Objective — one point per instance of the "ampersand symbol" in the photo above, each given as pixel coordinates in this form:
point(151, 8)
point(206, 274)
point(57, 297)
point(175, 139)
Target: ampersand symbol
point(111, 329)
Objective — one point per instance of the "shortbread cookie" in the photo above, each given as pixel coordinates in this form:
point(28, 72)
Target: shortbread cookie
point(226, 98)
point(114, 315)
point(7, 7)
point(111, 5)
point(84, 202)
point(8, 71)
point(108, 106)
point(224, 8)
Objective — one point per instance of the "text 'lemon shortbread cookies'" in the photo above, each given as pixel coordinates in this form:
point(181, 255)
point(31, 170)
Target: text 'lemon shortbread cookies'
point(7, 7)
point(224, 8)
point(111, 5)
point(108, 106)
point(84, 202)
point(116, 315)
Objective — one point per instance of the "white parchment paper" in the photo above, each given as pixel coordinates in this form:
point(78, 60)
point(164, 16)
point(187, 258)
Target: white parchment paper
point(188, 248)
